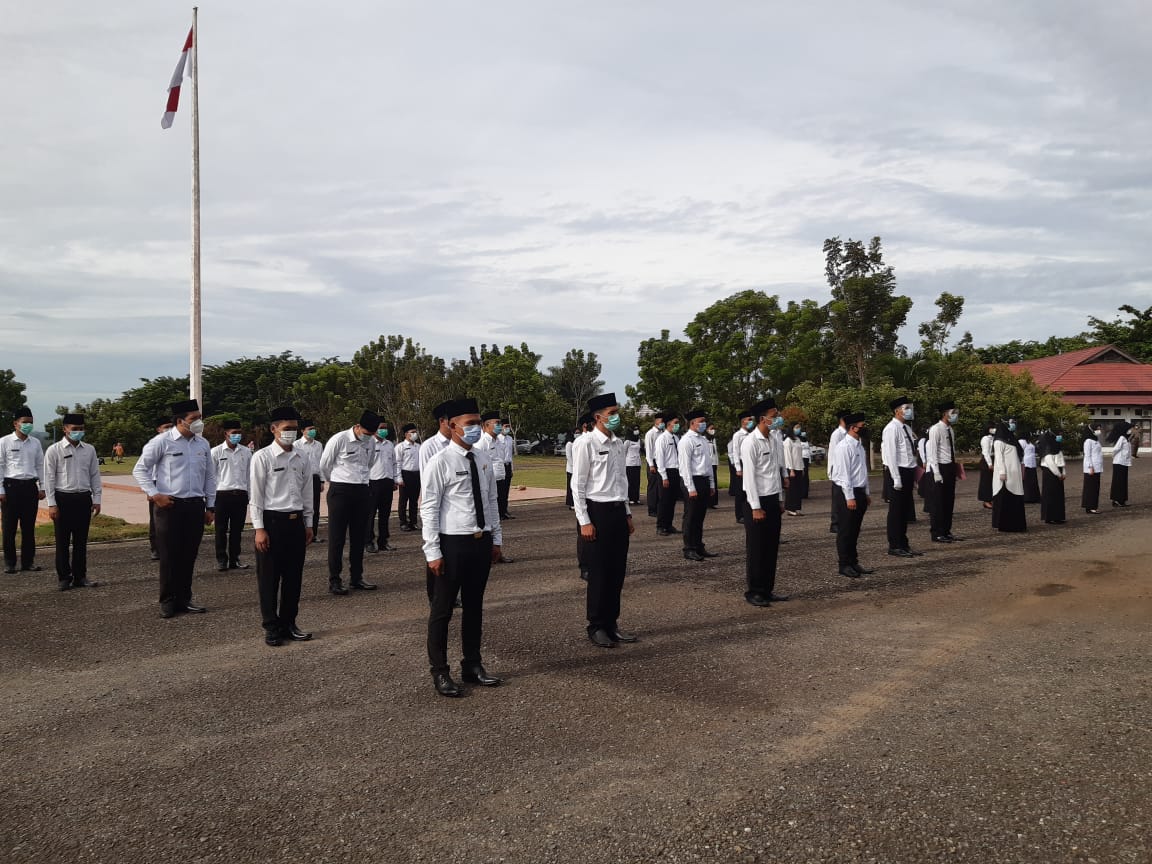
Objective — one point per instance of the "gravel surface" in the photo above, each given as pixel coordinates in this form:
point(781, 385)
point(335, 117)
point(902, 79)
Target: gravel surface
point(985, 703)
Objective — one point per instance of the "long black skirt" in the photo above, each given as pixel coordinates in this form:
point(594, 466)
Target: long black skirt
point(794, 494)
point(1051, 497)
point(806, 487)
point(984, 492)
point(1031, 487)
point(1008, 513)
point(1119, 492)
point(1090, 497)
point(925, 490)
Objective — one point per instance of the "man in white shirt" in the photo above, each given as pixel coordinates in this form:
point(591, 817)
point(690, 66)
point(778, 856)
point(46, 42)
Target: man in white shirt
point(745, 424)
point(668, 468)
point(345, 466)
point(490, 444)
point(311, 449)
point(163, 424)
point(231, 460)
point(176, 473)
point(941, 451)
point(654, 484)
point(851, 495)
point(600, 498)
point(898, 453)
point(22, 469)
point(408, 460)
point(72, 489)
point(830, 457)
point(461, 529)
point(383, 479)
point(762, 483)
point(428, 450)
point(281, 512)
point(695, 464)
point(506, 449)
point(632, 464)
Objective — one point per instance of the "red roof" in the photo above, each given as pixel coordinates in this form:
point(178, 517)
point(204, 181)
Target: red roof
point(1093, 376)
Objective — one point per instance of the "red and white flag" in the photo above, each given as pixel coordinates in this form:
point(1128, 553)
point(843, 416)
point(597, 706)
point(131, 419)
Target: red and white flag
point(174, 87)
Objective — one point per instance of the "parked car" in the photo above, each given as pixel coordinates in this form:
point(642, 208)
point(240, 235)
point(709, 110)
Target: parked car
point(523, 446)
point(819, 454)
point(558, 450)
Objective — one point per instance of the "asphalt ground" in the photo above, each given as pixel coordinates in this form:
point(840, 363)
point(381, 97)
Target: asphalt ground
point(985, 703)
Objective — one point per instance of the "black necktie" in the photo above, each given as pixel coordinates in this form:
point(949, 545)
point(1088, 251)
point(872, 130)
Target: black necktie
point(912, 444)
point(951, 446)
point(476, 496)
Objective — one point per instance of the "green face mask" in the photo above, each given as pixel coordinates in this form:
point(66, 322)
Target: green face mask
point(675, 428)
point(26, 428)
point(311, 433)
point(383, 433)
point(614, 422)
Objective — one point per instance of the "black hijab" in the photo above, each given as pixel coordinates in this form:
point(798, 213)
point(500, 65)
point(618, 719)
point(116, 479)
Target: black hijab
point(1003, 433)
point(1120, 430)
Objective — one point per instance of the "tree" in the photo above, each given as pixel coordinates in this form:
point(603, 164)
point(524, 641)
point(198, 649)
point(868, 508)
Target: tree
point(402, 381)
point(1017, 351)
point(576, 380)
point(11, 391)
point(250, 387)
point(511, 381)
point(332, 396)
point(865, 313)
point(1133, 336)
point(665, 378)
point(934, 334)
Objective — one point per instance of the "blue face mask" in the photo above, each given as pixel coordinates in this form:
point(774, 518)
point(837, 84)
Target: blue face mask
point(497, 428)
point(909, 413)
point(234, 439)
point(750, 425)
point(1059, 439)
point(76, 435)
point(1012, 426)
point(702, 427)
point(661, 426)
point(471, 434)
point(777, 422)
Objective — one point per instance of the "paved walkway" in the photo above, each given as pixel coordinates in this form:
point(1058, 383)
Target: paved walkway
point(123, 499)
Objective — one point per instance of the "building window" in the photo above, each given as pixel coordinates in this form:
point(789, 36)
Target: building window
point(1116, 412)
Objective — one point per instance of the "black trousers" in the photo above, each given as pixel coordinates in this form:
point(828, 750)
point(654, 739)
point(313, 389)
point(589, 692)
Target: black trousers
point(568, 488)
point(653, 494)
point(633, 472)
point(1051, 497)
point(21, 501)
point(348, 505)
point(943, 500)
point(849, 522)
point(762, 547)
point(695, 509)
point(467, 562)
point(409, 498)
point(231, 511)
point(151, 527)
point(581, 550)
point(280, 570)
point(317, 484)
point(1090, 494)
point(380, 495)
point(741, 500)
point(607, 558)
point(807, 479)
point(72, 522)
point(666, 510)
point(714, 492)
point(794, 494)
point(503, 487)
point(1119, 490)
point(179, 530)
point(901, 509)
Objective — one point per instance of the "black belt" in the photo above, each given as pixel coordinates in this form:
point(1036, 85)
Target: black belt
point(220, 492)
point(60, 492)
point(282, 516)
point(187, 500)
point(608, 505)
point(14, 481)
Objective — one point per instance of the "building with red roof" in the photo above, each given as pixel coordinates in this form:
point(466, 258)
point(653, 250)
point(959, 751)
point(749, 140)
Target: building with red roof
point(1109, 383)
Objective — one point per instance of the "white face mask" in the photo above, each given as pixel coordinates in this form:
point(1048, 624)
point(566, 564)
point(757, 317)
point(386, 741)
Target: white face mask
point(196, 427)
point(953, 416)
point(909, 412)
point(288, 436)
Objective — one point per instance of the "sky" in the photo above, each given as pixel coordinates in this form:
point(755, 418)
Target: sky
point(566, 175)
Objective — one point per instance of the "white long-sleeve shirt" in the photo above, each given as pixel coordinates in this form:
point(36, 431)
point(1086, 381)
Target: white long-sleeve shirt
point(71, 467)
point(384, 465)
point(568, 454)
point(430, 448)
point(761, 467)
point(838, 435)
point(598, 473)
point(1029, 460)
point(666, 453)
point(1122, 452)
point(174, 465)
point(408, 455)
point(1093, 457)
point(850, 470)
point(632, 454)
point(986, 448)
point(735, 449)
point(491, 445)
point(231, 464)
point(347, 459)
point(793, 454)
point(21, 459)
point(1008, 471)
point(1053, 462)
point(941, 447)
point(897, 450)
point(650, 446)
point(279, 481)
point(506, 448)
point(312, 450)
point(694, 458)
point(446, 502)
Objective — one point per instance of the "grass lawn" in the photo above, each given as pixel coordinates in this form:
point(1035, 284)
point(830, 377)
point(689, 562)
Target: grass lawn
point(547, 472)
point(113, 468)
point(103, 528)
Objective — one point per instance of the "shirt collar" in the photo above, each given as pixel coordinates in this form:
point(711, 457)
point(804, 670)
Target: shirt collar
point(452, 445)
point(598, 435)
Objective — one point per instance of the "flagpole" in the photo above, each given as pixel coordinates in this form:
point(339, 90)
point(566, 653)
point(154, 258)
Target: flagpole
point(195, 364)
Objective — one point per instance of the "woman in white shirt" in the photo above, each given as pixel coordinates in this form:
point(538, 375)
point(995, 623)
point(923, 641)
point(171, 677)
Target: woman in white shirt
point(1007, 482)
point(632, 465)
point(984, 491)
point(1121, 462)
point(1051, 453)
point(794, 466)
point(1093, 468)
point(806, 449)
point(1031, 481)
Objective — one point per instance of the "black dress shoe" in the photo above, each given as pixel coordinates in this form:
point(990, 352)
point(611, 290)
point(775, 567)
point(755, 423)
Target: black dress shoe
point(296, 634)
point(693, 555)
point(9, 569)
point(65, 585)
point(850, 572)
point(663, 532)
point(319, 540)
point(623, 636)
point(504, 559)
point(507, 516)
point(779, 598)
point(756, 599)
point(478, 675)
point(169, 612)
point(371, 547)
point(941, 539)
point(188, 607)
point(35, 568)
point(674, 531)
point(272, 638)
point(153, 556)
point(444, 684)
point(900, 553)
point(85, 583)
point(337, 588)
point(864, 571)
point(584, 574)
point(386, 547)
point(222, 566)
point(706, 554)
point(236, 565)
point(601, 639)
point(363, 586)
point(914, 553)
point(952, 538)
